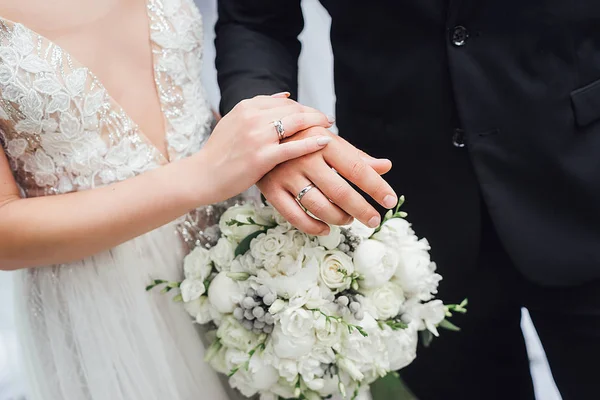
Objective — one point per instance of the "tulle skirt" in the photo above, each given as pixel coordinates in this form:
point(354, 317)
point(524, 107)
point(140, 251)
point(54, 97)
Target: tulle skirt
point(89, 330)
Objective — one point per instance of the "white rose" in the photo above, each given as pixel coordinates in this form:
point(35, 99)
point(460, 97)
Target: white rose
point(335, 269)
point(222, 254)
point(199, 309)
point(416, 272)
point(425, 316)
point(332, 240)
point(196, 265)
point(224, 293)
point(267, 246)
point(375, 262)
point(240, 214)
point(386, 301)
point(401, 346)
point(360, 229)
point(297, 241)
point(234, 335)
point(395, 232)
point(191, 289)
point(290, 346)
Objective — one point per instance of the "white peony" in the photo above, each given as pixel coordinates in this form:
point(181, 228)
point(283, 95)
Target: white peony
point(224, 293)
point(267, 246)
point(385, 301)
point(425, 315)
point(360, 229)
point(395, 231)
point(335, 270)
point(240, 214)
point(401, 346)
point(293, 342)
point(234, 335)
point(332, 240)
point(416, 272)
point(222, 254)
point(191, 289)
point(262, 374)
point(197, 264)
point(288, 369)
point(375, 262)
point(199, 309)
point(300, 276)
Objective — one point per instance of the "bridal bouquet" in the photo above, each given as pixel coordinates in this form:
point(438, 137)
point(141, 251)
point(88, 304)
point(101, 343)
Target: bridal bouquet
point(305, 317)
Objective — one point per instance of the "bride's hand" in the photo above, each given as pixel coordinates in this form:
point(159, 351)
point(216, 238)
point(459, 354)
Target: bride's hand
point(245, 144)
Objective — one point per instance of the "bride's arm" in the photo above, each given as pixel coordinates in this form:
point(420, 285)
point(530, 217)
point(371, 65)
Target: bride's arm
point(57, 229)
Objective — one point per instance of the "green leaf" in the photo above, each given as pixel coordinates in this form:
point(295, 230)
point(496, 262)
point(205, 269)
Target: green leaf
point(426, 337)
point(448, 325)
point(244, 245)
point(178, 298)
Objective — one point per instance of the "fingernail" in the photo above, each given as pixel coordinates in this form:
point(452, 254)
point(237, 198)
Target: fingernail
point(390, 201)
point(374, 222)
point(281, 95)
point(323, 140)
point(324, 232)
point(331, 119)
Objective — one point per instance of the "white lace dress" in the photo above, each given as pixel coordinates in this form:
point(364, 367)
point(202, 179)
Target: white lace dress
point(89, 330)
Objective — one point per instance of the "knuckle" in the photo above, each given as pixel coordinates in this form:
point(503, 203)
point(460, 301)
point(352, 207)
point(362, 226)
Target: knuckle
point(357, 169)
point(298, 120)
point(339, 193)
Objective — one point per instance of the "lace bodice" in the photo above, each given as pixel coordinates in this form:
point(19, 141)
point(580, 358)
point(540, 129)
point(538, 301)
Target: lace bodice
point(63, 132)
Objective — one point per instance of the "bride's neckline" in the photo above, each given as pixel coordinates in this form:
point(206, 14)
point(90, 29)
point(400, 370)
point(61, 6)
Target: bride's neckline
point(165, 158)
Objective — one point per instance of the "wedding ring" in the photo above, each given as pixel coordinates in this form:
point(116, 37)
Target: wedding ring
point(280, 129)
point(303, 192)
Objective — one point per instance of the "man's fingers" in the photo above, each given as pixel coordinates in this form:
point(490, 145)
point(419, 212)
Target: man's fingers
point(344, 196)
point(287, 206)
point(319, 205)
point(347, 161)
point(380, 165)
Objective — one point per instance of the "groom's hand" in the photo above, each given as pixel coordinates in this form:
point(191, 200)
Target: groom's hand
point(282, 184)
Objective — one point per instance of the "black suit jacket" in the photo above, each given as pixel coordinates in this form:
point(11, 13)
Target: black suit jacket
point(471, 99)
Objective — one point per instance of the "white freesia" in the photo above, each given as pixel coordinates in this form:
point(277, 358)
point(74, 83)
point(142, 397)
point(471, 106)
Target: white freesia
point(425, 315)
point(350, 367)
point(242, 381)
point(241, 214)
point(199, 309)
point(191, 289)
point(360, 229)
point(218, 360)
point(224, 293)
point(375, 262)
point(233, 334)
point(222, 254)
point(332, 240)
point(196, 265)
point(335, 270)
point(385, 301)
point(267, 246)
point(329, 332)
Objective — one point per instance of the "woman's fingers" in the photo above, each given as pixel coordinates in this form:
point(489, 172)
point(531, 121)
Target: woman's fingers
point(295, 123)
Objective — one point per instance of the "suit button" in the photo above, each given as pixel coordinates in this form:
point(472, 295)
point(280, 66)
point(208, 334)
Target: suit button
point(459, 36)
point(458, 139)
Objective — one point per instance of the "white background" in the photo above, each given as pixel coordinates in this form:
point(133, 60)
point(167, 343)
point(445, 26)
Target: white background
point(316, 90)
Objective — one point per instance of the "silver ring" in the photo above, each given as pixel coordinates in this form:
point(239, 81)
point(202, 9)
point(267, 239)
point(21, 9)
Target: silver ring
point(303, 192)
point(280, 129)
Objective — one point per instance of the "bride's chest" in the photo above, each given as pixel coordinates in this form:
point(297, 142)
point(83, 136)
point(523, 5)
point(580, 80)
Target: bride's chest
point(69, 126)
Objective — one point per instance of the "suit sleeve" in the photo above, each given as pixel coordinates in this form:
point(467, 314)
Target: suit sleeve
point(257, 48)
